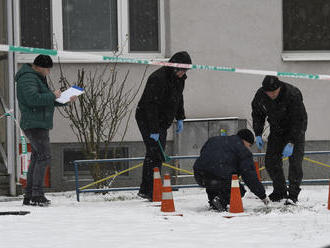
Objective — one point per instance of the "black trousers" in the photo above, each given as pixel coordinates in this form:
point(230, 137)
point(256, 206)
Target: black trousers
point(153, 158)
point(216, 186)
point(40, 158)
point(274, 163)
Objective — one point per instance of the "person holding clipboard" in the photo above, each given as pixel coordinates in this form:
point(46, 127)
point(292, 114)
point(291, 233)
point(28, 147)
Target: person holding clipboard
point(37, 103)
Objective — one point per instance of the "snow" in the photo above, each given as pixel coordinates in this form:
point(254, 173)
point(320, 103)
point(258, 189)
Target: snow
point(121, 219)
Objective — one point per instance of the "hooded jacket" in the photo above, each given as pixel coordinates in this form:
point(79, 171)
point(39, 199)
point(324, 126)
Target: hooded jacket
point(162, 98)
point(35, 100)
point(223, 156)
point(286, 114)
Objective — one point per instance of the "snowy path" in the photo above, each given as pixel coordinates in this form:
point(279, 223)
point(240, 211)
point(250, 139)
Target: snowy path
point(120, 219)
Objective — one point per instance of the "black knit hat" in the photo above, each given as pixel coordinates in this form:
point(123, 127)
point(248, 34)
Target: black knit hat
point(43, 61)
point(246, 135)
point(271, 83)
point(181, 58)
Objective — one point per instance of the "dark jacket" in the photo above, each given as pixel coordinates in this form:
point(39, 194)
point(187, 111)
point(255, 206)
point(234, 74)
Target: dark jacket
point(286, 114)
point(222, 156)
point(35, 100)
point(162, 99)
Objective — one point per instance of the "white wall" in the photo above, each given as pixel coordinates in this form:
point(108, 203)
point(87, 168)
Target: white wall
point(242, 34)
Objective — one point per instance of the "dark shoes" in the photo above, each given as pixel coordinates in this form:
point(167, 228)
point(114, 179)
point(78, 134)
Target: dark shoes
point(217, 204)
point(145, 196)
point(27, 201)
point(294, 191)
point(277, 196)
point(41, 201)
point(292, 200)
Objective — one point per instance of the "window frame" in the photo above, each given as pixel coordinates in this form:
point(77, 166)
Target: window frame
point(123, 30)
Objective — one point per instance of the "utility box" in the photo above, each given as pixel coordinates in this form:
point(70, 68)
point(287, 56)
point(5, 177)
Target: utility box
point(196, 133)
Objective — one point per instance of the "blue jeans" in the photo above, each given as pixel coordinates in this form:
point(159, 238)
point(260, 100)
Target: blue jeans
point(40, 158)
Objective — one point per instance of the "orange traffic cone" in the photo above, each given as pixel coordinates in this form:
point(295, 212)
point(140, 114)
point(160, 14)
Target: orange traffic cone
point(329, 197)
point(167, 196)
point(256, 164)
point(236, 205)
point(157, 188)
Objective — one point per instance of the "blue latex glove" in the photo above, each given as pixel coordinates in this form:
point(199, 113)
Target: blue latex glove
point(179, 126)
point(288, 150)
point(259, 142)
point(155, 136)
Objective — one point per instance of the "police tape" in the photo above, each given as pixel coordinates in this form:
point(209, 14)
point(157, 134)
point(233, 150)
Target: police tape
point(117, 59)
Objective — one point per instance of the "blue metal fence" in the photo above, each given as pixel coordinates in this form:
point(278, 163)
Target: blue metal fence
point(80, 162)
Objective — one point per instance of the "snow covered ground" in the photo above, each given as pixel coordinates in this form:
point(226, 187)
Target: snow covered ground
point(121, 219)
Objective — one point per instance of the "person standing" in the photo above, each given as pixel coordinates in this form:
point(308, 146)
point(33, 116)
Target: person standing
point(220, 158)
point(160, 103)
point(36, 103)
point(282, 104)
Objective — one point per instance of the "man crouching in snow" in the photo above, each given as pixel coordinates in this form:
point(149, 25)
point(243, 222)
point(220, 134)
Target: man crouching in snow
point(222, 156)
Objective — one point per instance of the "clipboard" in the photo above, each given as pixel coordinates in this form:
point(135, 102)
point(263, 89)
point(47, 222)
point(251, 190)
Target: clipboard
point(72, 91)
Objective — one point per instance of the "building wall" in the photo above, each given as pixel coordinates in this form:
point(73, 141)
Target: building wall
point(242, 34)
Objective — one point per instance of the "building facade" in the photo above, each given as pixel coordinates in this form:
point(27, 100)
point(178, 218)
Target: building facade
point(273, 35)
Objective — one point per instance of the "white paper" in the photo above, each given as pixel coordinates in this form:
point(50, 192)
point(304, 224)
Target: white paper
point(72, 91)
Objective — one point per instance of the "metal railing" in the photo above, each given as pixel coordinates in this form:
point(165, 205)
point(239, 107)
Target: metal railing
point(83, 189)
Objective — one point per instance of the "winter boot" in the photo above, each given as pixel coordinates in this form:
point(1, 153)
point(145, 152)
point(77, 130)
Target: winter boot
point(145, 196)
point(277, 196)
point(41, 201)
point(26, 201)
point(291, 201)
point(242, 189)
point(218, 204)
point(294, 191)
point(292, 198)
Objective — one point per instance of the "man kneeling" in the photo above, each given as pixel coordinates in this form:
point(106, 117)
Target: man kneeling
point(222, 156)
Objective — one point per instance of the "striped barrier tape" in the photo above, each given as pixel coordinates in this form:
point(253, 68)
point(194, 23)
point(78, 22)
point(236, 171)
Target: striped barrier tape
point(77, 55)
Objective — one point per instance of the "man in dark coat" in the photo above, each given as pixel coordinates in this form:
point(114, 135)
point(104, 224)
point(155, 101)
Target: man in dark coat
point(161, 102)
point(220, 158)
point(282, 105)
point(36, 103)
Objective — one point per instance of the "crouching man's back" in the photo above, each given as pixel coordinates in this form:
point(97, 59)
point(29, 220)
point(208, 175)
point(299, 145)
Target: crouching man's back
point(220, 158)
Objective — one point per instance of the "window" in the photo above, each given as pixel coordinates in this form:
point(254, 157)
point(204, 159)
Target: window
point(3, 22)
point(306, 30)
point(90, 25)
point(104, 26)
point(35, 23)
point(143, 37)
point(306, 25)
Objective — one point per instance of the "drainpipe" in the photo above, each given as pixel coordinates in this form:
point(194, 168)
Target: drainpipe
point(10, 122)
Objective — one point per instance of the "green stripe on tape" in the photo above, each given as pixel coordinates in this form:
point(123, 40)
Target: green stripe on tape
point(212, 68)
point(126, 60)
point(298, 75)
point(33, 50)
point(24, 146)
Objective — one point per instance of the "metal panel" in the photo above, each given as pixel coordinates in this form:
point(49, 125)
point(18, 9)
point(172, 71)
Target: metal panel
point(190, 141)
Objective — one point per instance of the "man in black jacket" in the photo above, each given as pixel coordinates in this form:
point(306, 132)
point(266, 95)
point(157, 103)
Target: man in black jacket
point(220, 158)
point(282, 105)
point(161, 102)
